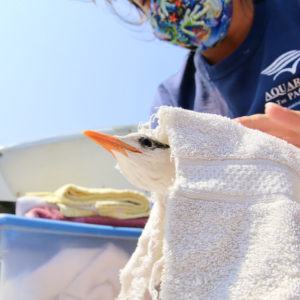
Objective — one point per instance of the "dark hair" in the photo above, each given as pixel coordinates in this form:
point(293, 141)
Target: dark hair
point(143, 16)
point(138, 9)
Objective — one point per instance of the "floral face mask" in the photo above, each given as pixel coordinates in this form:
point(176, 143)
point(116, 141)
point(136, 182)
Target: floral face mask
point(192, 24)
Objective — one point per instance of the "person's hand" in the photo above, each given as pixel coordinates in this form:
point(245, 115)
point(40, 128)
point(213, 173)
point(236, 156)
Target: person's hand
point(279, 121)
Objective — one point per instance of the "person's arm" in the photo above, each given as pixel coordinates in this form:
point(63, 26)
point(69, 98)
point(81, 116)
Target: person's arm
point(279, 121)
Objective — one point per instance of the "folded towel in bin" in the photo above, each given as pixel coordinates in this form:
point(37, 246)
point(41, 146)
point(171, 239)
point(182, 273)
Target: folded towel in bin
point(76, 201)
point(82, 274)
point(51, 213)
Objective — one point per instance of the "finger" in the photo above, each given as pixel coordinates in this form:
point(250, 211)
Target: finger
point(259, 121)
point(288, 118)
point(266, 124)
point(292, 139)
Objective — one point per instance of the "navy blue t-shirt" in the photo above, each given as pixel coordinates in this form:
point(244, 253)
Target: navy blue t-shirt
point(266, 67)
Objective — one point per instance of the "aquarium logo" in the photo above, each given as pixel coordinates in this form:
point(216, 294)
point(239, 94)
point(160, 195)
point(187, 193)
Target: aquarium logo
point(287, 62)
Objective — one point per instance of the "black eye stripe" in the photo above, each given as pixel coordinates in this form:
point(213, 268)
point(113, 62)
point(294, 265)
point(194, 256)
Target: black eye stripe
point(151, 144)
point(161, 145)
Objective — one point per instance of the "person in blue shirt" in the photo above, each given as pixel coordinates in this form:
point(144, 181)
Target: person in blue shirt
point(244, 60)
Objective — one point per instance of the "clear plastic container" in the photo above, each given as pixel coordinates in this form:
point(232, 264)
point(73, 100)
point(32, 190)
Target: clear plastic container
point(45, 260)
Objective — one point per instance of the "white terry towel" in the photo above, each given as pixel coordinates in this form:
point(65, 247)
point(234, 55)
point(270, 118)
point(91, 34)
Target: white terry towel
point(229, 227)
point(72, 274)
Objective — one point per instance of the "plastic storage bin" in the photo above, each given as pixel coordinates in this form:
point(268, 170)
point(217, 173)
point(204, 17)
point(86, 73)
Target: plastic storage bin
point(47, 260)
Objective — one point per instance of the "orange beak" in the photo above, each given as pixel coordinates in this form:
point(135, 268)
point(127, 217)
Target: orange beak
point(110, 142)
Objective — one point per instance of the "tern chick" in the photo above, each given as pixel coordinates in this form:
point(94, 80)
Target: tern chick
point(145, 162)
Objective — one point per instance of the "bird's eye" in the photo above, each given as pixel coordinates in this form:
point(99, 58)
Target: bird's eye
point(145, 142)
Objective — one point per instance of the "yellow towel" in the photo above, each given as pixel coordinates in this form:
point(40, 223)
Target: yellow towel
point(76, 201)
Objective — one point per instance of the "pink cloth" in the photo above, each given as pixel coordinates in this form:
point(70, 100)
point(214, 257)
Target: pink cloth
point(55, 214)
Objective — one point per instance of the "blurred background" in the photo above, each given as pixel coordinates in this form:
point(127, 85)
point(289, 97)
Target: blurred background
point(71, 65)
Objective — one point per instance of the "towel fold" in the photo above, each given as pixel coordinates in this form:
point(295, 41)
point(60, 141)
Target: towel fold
point(229, 227)
point(25, 204)
point(51, 213)
point(82, 274)
point(76, 201)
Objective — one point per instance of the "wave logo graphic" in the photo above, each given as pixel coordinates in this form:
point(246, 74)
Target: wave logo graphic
point(287, 62)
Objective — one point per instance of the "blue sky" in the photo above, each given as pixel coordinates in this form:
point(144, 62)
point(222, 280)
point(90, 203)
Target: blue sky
point(70, 65)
